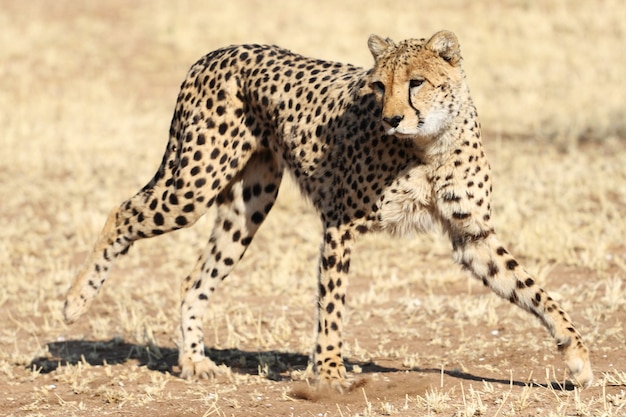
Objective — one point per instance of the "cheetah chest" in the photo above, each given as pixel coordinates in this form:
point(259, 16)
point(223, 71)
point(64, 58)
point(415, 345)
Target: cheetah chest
point(406, 205)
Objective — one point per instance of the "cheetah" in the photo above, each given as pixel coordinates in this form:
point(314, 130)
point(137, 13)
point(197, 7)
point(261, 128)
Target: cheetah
point(394, 148)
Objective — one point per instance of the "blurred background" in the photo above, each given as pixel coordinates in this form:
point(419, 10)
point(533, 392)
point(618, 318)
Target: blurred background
point(87, 90)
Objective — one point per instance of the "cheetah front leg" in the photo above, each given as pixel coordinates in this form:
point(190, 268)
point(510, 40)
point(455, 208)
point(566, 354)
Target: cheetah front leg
point(333, 281)
point(489, 261)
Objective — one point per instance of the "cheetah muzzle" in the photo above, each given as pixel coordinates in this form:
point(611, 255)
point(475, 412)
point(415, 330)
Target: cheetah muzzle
point(395, 148)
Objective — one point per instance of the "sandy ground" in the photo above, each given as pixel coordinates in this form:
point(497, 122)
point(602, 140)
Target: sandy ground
point(86, 98)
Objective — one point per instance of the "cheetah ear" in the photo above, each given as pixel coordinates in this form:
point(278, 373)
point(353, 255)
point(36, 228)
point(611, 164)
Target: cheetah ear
point(446, 45)
point(378, 45)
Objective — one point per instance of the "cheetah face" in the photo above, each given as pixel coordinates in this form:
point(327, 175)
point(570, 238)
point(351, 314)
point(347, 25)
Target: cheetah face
point(416, 82)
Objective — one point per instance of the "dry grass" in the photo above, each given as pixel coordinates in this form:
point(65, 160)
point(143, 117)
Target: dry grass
point(86, 99)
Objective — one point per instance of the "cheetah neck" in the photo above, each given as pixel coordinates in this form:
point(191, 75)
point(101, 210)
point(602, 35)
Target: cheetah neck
point(464, 127)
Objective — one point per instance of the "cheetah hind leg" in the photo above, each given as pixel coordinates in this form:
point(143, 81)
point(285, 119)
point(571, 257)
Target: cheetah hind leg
point(94, 271)
point(134, 219)
point(124, 225)
point(241, 209)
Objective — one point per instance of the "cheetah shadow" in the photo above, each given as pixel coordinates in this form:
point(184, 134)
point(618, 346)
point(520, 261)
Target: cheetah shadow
point(275, 365)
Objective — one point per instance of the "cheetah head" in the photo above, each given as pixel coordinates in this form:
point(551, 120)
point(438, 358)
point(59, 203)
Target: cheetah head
point(417, 82)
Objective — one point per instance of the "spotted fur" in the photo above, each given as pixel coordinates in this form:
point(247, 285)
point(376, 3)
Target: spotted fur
point(394, 148)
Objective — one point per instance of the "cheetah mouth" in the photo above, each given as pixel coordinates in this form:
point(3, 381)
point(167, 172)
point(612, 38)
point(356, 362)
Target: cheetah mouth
point(392, 131)
point(400, 135)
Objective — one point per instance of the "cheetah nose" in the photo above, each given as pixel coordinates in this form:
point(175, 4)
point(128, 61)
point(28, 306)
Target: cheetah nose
point(393, 121)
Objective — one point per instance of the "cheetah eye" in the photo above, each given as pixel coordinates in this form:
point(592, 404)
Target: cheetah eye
point(378, 87)
point(416, 83)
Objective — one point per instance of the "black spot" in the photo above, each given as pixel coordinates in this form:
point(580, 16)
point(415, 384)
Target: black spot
point(450, 197)
point(203, 297)
point(330, 307)
point(270, 188)
point(247, 194)
point(257, 217)
point(158, 219)
point(493, 268)
point(460, 216)
point(322, 291)
point(181, 220)
point(529, 282)
point(501, 251)
point(511, 264)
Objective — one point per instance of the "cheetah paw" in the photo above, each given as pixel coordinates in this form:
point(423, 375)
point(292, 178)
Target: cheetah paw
point(341, 385)
point(580, 370)
point(74, 307)
point(202, 369)
point(338, 381)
